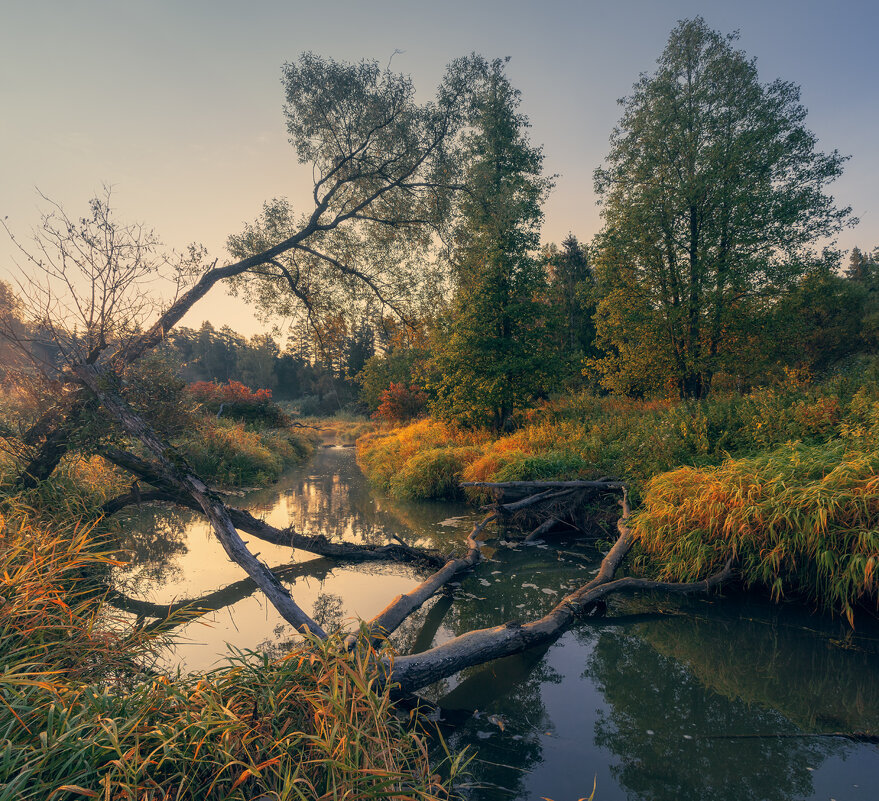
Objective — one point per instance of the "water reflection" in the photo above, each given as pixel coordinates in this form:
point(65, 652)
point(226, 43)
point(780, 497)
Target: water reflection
point(652, 702)
point(662, 724)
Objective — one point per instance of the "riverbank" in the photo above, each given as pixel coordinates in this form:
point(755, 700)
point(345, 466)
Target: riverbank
point(783, 480)
point(543, 723)
point(86, 714)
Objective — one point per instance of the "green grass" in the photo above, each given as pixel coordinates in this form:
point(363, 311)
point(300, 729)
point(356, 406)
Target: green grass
point(82, 717)
point(799, 519)
point(229, 453)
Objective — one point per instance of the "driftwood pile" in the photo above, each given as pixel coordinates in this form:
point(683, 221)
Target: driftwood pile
point(540, 507)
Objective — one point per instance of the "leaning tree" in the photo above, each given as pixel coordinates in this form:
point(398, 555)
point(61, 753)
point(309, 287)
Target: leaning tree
point(387, 173)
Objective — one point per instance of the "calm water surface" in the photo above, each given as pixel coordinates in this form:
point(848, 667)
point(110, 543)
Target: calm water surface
point(662, 700)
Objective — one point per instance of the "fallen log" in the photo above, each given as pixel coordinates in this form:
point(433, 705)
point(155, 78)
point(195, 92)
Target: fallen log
point(546, 495)
point(174, 471)
point(390, 618)
point(410, 673)
point(316, 544)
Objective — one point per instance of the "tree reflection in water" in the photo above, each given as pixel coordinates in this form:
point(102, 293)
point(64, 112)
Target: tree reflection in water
point(652, 679)
point(150, 538)
point(660, 724)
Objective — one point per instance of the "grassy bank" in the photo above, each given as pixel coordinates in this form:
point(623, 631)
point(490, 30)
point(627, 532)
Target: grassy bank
point(233, 454)
point(83, 716)
point(799, 519)
point(786, 480)
point(585, 436)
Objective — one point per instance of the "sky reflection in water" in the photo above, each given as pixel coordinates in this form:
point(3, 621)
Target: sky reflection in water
point(659, 707)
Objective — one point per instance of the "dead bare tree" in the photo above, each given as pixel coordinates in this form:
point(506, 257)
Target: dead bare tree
point(85, 285)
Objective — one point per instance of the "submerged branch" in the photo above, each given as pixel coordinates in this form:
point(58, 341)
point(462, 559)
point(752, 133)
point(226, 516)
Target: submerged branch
point(390, 618)
point(476, 647)
point(244, 521)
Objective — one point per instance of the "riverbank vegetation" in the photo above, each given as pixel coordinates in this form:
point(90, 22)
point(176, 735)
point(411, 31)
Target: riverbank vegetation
point(701, 354)
point(86, 715)
point(784, 479)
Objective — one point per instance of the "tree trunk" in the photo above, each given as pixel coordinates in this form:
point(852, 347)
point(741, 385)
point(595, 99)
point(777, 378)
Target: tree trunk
point(54, 446)
point(175, 471)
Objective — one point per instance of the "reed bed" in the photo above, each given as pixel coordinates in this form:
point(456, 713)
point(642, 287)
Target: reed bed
point(799, 519)
point(82, 714)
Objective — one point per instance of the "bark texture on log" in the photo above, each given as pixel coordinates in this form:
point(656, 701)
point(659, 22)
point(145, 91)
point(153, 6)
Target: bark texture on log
point(390, 618)
point(56, 441)
point(174, 470)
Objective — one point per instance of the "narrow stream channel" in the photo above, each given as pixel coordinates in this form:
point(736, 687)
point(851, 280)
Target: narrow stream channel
point(662, 700)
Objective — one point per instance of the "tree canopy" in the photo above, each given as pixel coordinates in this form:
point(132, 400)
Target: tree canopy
point(489, 355)
point(713, 199)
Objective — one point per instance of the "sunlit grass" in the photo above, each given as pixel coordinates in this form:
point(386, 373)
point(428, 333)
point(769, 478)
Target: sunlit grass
point(82, 715)
point(798, 519)
point(782, 479)
point(585, 436)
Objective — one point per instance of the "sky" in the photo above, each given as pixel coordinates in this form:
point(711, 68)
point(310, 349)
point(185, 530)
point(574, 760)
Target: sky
point(177, 104)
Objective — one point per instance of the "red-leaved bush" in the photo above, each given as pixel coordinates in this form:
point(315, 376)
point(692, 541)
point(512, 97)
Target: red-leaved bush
point(399, 403)
point(238, 401)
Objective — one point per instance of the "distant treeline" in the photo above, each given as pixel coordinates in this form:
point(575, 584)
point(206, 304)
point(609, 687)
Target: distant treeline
point(828, 319)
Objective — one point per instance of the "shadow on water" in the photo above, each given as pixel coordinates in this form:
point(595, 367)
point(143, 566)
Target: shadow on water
point(663, 699)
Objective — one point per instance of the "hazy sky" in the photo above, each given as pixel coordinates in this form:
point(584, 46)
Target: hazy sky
point(178, 104)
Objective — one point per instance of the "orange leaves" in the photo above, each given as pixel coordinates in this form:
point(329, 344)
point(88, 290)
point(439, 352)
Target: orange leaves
point(799, 519)
point(233, 392)
point(399, 403)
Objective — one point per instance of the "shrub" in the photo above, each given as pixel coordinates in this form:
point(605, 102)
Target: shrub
point(237, 401)
point(399, 403)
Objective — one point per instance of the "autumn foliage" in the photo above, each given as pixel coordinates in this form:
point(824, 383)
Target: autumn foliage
point(399, 403)
point(238, 401)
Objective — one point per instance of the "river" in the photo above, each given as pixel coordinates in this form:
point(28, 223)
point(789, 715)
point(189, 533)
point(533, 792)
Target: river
point(661, 700)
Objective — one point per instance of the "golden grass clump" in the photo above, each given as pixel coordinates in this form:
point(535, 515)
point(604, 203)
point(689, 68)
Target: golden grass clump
point(798, 519)
point(83, 716)
point(424, 459)
point(230, 453)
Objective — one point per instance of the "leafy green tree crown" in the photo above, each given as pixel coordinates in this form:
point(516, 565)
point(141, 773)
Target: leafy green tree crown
point(713, 199)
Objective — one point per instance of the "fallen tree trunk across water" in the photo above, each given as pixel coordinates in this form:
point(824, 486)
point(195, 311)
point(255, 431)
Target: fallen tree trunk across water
point(177, 483)
point(412, 672)
point(174, 471)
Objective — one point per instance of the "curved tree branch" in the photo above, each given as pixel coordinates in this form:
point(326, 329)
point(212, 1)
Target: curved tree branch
point(475, 647)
